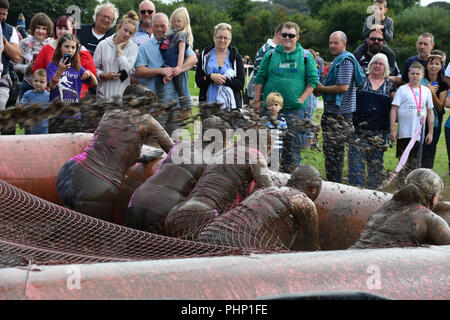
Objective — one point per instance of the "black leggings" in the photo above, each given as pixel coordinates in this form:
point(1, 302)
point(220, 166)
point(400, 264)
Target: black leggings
point(84, 192)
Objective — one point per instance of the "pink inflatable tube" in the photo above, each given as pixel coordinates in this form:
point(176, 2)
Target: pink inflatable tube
point(396, 273)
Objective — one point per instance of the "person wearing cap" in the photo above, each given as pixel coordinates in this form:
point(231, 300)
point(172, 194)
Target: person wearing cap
point(407, 219)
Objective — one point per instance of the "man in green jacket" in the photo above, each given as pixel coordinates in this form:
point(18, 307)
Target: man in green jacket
point(292, 72)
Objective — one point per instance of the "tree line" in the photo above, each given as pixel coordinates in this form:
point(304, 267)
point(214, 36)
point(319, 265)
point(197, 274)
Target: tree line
point(253, 22)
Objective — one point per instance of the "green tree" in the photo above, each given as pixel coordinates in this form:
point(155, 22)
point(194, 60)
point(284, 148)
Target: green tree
point(239, 9)
point(301, 6)
point(53, 9)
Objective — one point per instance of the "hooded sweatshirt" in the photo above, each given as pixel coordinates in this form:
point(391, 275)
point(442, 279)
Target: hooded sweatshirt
point(105, 59)
point(287, 74)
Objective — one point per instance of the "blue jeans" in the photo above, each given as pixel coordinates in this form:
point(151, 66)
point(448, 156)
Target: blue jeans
point(309, 113)
point(294, 141)
point(361, 153)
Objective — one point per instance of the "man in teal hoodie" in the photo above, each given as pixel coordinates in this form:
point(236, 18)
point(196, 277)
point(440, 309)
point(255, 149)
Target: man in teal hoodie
point(339, 96)
point(291, 71)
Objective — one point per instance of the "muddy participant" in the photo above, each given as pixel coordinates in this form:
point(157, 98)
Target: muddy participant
point(154, 199)
point(407, 219)
point(274, 218)
point(217, 188)
point(90, 182)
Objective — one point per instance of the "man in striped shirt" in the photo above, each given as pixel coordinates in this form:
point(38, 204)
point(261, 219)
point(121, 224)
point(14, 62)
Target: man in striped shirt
point(339, 95)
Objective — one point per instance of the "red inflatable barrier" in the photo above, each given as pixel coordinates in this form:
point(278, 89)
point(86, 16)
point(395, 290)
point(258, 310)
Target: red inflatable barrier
point(396, 273)
point(32, 163)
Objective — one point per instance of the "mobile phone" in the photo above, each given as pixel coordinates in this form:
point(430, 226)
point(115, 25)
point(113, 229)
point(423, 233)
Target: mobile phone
point(67, 58)
point(434, 83)
point(123, 75)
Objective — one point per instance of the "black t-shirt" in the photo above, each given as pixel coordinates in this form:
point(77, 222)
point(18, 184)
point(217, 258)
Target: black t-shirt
point(88, 39)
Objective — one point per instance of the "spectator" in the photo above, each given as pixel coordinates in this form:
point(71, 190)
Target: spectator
point(383, 27)
point(277, 126)
point(375, 44)
point(320, 62)
point(269, 45)
point(412, 105)
point(105, 17)
point(371, 122)
point(65, 75)
point(41, 29)
point(434, 80)
point(379, 21)
point(178, 38)
point(447, 131)
point(424, 45)
point(146, 13)
point(295, 82)
point(21, 26)
point(9, 84)
point(220, 72)
point(149, 62)
point(38, 95)
point(339, 95)
point(64, 25)
point(115, 58)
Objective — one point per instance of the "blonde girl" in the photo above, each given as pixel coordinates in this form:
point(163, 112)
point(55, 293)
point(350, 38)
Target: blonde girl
point(173, 48)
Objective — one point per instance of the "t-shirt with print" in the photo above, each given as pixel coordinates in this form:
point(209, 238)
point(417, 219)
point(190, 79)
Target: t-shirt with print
point(408, 119)
point(69, 84)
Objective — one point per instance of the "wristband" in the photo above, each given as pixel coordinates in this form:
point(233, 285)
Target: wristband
point(55, 80)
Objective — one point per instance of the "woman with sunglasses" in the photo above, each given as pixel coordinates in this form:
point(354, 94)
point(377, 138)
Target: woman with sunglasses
point(220, 71)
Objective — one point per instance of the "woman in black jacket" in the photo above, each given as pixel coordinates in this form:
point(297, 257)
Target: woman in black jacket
point(220, 73)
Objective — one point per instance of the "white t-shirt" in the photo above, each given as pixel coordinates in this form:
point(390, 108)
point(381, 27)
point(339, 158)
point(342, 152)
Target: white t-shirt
point(447, 71)
point(408, 120)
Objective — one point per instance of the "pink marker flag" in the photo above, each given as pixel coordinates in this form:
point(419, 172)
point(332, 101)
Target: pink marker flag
point(404, 157)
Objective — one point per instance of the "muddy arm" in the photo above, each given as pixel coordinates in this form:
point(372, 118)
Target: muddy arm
point(307, 219)
point(157, 132)
point(438, 230)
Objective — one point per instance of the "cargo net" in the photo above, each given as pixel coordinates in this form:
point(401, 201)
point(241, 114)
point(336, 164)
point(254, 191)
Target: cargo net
point(239, 227)
point(35, 231)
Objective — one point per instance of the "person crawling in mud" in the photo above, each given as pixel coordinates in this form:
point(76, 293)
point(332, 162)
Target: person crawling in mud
point(90, 181)
point(274, 218)
point(407, 219)
point(228, 178)
point(177, 177)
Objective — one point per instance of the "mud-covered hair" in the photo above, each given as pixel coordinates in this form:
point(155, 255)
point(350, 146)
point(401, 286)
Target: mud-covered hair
point(304, 178)
point(421, 186)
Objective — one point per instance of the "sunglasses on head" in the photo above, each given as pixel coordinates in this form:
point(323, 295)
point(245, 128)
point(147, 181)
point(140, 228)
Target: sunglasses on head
point(290, 35)
point(376, 39)
point(146, 11)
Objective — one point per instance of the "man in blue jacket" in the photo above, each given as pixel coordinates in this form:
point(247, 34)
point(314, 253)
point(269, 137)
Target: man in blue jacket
point(339, 96)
